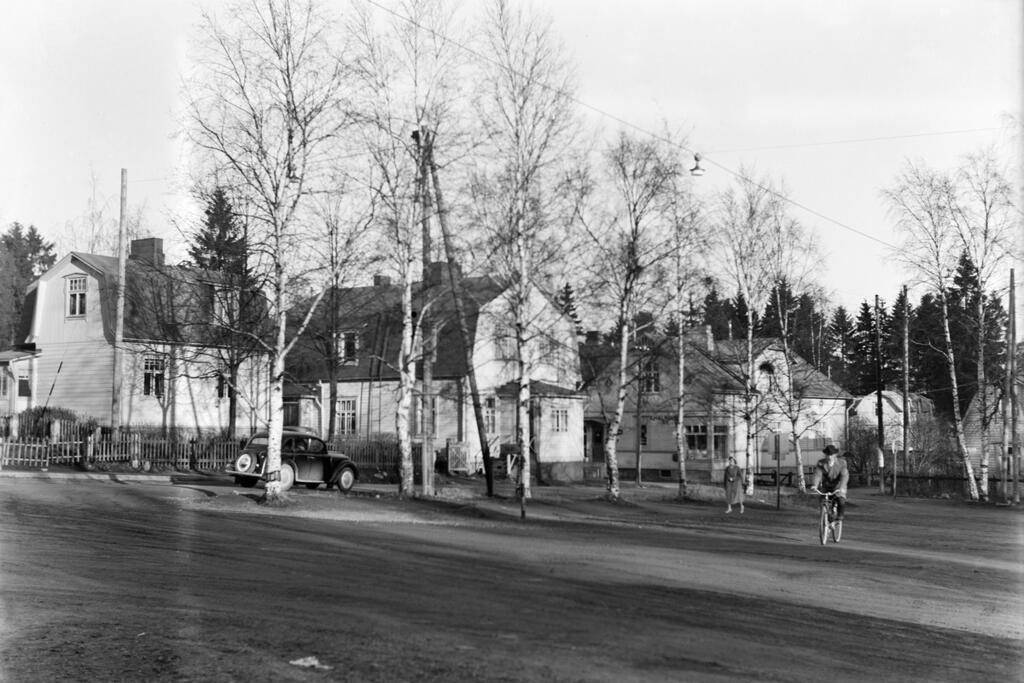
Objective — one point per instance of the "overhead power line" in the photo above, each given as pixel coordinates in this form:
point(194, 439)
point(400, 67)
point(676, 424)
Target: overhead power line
point(634, 126)
point(856, 140)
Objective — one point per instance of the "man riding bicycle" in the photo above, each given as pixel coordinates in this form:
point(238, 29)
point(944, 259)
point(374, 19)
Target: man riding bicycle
point(832, 476)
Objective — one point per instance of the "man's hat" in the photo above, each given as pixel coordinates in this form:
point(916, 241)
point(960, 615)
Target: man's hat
point(830, 450)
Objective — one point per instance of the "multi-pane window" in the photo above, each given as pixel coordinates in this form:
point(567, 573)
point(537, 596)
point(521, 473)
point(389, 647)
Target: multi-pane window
point(3, 382)
point(346, 416)
point(697, 441)
point(650, 376)
point(491, 416)
point(153, 376)
point(643, 435)
point(224, 386)
point(76, 296)
point(560, 419)
point(24, 385)
point(348, 346)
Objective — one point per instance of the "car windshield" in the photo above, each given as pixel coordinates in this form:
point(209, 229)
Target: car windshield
point(257, 441)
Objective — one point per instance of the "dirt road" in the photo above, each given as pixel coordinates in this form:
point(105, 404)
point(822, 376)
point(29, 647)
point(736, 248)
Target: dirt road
point(196, 582)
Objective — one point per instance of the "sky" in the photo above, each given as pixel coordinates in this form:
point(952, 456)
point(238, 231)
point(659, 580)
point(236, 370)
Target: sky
point(829, 97)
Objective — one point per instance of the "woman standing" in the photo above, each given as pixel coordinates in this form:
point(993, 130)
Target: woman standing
point(733, 482)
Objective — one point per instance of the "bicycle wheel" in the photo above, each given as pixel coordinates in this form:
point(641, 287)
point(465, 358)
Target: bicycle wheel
point(823, 527)
point(837, 530)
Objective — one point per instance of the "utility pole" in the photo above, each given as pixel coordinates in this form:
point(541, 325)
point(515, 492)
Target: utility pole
point(906, 389)
point(639, 424)
point(1006, 454)
point(118, 379)
point(455, 276)
point(428, 331)
point(1014, 404)
point(878, 400)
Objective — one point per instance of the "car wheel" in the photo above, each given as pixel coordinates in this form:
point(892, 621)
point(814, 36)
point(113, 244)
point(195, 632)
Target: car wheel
point(312, 485)
point(245, 463)
point(346, 479)
point(246, 482)
point(287, 476)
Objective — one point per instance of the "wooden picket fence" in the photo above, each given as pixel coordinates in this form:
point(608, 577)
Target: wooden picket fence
point(157, 453)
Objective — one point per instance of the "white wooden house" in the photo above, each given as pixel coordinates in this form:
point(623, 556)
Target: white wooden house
point(170, 375)
point(713, 409)
point(368, 382)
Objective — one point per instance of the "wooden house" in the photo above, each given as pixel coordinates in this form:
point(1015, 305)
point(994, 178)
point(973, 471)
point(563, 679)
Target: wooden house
point(170, 372)
point(367, 378)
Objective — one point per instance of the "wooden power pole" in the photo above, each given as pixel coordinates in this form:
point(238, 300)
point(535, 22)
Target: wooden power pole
point(878, 400)
point(1014, 403)
point(906, 389)
point(118, 379)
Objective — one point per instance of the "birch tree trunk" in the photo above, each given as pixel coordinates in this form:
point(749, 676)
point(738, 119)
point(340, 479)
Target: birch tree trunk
point(611, 439)
point(407, 380)
point(958, 423)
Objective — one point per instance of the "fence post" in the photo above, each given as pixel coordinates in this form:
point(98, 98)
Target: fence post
point(15, 418)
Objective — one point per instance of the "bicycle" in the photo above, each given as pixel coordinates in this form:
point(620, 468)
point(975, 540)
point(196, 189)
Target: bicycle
point(828, 524)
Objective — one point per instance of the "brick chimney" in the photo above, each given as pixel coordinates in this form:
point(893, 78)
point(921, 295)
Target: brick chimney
point(148, 250)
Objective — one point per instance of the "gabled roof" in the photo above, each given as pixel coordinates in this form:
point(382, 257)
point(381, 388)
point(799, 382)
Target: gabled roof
point(164, 304)
point(375, 314)
point(705, 375)
point(893, 399)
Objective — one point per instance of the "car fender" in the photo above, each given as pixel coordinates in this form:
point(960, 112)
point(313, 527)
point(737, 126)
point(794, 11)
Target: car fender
point(333, 480)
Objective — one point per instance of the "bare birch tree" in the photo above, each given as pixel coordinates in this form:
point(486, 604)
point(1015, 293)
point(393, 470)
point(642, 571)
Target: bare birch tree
point(265, 112)
point(409, 74)
point(747, 238)
point(985, 221)
point(796, 253)
point(630, 239)
point(526, 109)
point(690, 240)
point(920, 201)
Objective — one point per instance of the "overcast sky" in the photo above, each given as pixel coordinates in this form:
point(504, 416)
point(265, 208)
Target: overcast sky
point(829, 97)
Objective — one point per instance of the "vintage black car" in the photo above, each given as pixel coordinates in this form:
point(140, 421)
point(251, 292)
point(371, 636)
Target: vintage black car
point(305, 459)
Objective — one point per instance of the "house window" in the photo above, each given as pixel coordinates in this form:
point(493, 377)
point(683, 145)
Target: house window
point(346, 423)
point(224, 387)
point(3, 383)
point(643, 435)
point(507, 347)
point(650, 376)
point(24, 387)
point(347, 347)
point(491, 416)
point(697, 440)
point(560, 416)
point(153, 376)
point(76, 296)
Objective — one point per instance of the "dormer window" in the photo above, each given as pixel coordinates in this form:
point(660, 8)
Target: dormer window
point(76, 296)
point(348, 346)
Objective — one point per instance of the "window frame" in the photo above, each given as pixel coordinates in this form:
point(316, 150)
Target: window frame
point(347, 416)
point(560, 420)
point(154, 371)
point(77, 301)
